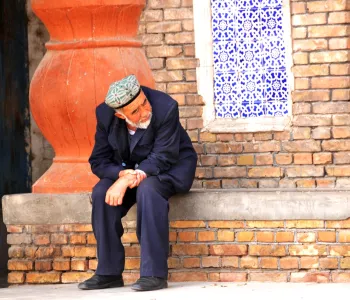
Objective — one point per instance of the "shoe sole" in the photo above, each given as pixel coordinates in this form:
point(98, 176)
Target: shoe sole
point(163, 286)
point(105, 286)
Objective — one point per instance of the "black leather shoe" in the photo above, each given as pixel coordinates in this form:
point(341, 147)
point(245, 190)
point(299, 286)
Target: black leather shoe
point(149, 284)
point(101, 282)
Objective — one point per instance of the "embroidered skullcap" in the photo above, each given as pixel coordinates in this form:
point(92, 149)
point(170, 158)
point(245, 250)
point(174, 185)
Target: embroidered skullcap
point(123, 92)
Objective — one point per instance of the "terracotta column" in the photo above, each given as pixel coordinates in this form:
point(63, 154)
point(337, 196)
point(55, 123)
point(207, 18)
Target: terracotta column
point(93, 43)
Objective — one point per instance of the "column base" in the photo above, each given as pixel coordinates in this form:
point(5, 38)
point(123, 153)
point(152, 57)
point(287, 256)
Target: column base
point(67, 177)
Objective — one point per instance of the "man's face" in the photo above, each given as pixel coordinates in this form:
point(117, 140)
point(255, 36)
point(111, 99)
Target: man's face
point(138, 113)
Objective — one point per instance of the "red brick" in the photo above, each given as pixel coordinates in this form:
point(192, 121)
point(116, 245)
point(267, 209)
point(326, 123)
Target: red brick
point(161, 27)
point(237, 250)
point(174, 263)
point(338, 171)
point(154, 4)
point(243, 160)
point(320, 277)
point(43, 265)
point(298, 7)
point(178, 14)
point(14, 228)
point(339, 43)
point(264, 159)
point(265, 237)
point(189, 249)
point(211, 262)
point(267, 250)
point(308, 250)
point(325, 182)
point(70, 277)
point(302, 146)
point(303, 158)
point(309, 263)
point(249, 262)
point(226, 236)
point(79, 265)
point(227, 160)
point(306, 237)
point(327, 57)
point(270, 146)
point(181, 63)
point(16, 252)
point(329, 263)
point(47, 277)
point(59, 238)
point(341, 132)
point(265, 172)
point(15, 277)
point(61, 264)
point(341, 120)
point(218, 148)
point(329, 5)
point(77, 228)
point(230, 172)
point(184, 37)
point(188, 276)
point(300, 58)
point(132, 263)
point(326, 236)
point(233, 277)
point(19, 265)
point(47, 252)
point(309, 45)
point(306, 183)
point(91, 239)
point(230, 261)
point(340, 69)
point(152, 15)
point(245, 236)
point(299, 33)
point(322, 158)
point(129, 237)
point(305, 171)
point(309, 19)
point(19, 238)
point(204, 236)
point(301, 84)
point(301, 133)
point(340, 277)
point(283, 159)
point(339, 95)
point(81, 251)
point(284, 236)
point(77, 239)
point(289, 263)
point(163, 51)
point(268, 263)
point(335, 82)
point(132, 251)
point(191, 262)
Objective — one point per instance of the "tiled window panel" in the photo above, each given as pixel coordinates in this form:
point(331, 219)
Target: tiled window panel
point(250, 75)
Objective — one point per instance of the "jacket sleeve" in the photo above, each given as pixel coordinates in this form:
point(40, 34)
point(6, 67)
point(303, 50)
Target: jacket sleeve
point(165, 151)
point(101, 158)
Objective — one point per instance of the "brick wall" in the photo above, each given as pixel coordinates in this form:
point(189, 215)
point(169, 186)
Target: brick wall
point(288, 251)
point(312, 154)
point(315, 153)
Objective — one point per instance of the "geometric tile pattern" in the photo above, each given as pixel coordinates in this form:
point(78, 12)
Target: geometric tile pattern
point(250, 75)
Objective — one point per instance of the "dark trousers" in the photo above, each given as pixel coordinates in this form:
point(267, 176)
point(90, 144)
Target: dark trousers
point(152, 227)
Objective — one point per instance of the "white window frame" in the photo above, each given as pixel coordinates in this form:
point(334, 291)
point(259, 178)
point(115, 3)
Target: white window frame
point(205, 76)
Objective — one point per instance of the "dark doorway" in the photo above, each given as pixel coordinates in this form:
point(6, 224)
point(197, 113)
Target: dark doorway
point(14, 109)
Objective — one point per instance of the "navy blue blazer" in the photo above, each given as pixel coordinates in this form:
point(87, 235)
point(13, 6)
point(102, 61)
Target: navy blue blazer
point(164, 149)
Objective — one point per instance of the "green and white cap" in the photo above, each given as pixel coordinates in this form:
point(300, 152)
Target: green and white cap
point(123, 92)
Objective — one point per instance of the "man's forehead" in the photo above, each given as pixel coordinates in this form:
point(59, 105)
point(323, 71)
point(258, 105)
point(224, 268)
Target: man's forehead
point(137, 102)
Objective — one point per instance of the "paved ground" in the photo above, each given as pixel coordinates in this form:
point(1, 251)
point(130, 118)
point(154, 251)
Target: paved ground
point(184, 291)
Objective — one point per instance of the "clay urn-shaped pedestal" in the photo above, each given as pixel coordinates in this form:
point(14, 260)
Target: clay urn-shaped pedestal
point(92, 44)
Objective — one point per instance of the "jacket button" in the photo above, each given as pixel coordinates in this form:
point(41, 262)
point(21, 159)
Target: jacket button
point(123, 164)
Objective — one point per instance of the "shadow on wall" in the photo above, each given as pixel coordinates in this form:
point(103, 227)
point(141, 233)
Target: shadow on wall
point(41, 150)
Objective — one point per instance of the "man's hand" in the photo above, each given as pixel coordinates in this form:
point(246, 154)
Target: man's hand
point(139, 176)
point(116, 192)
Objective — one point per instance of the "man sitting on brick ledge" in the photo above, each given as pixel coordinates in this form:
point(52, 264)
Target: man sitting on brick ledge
point(141, 155)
